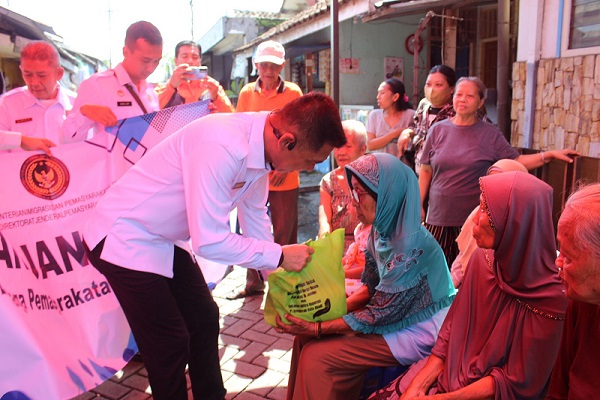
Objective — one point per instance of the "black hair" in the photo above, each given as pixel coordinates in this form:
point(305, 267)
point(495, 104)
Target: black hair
point(396, 86)
point(187, 43)
point(142, 30)
point(315, 118)
point(448, 73)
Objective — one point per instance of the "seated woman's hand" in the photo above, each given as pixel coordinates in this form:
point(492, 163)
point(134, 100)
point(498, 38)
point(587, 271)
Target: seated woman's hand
point(297, 327)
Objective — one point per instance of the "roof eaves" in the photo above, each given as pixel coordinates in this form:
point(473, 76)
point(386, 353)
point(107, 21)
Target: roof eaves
point(312, 12)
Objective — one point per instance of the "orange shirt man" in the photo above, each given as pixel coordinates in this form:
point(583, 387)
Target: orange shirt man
point(268, 93)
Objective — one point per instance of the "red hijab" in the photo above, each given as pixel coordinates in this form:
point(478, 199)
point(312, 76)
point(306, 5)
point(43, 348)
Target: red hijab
point(520, 206)
point(506, 320)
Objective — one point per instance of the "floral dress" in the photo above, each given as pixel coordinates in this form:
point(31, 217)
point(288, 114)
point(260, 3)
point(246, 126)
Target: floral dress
point(343, 214)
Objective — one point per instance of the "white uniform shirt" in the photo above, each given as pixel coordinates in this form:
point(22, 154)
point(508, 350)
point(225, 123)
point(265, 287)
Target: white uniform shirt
point(185, 188)
point(107, 88)
point(10, 140)
point(22, 112)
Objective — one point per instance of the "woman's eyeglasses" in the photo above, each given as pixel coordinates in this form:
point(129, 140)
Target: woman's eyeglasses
point(356, 194)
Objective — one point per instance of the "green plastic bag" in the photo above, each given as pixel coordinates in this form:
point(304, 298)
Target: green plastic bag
point(317, 292)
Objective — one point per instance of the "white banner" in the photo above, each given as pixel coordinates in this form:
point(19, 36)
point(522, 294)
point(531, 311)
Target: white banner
point(63, 331)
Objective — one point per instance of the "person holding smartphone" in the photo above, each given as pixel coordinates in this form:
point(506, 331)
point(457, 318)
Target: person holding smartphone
point(190, 81)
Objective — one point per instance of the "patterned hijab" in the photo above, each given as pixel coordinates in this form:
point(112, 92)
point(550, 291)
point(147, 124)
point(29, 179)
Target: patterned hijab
point(402, 248)
point(520, 208)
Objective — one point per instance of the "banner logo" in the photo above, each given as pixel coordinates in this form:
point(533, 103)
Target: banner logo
point(45, 177)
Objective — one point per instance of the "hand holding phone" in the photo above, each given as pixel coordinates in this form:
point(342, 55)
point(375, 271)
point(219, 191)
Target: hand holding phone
point(200, 72)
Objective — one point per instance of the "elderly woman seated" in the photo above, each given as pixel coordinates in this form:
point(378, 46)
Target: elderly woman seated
point(466, 242)
point(501, 336)
point(575, 372)
point(395, 317)
point(336, 209)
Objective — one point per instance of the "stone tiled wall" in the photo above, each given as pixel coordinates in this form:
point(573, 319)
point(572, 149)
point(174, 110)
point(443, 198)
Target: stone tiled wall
point(567, 104)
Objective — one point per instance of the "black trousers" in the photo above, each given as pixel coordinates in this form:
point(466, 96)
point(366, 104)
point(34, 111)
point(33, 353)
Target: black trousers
point(174, 322)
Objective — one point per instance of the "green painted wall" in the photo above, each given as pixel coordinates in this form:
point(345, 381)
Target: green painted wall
point(370, 43)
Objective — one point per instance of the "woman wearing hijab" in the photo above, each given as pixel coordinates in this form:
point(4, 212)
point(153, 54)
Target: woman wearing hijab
point(501, 336)
point(394, 318)
point(465, 240)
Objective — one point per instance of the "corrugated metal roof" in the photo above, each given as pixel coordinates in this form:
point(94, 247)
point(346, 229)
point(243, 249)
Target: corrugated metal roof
point(14, 23)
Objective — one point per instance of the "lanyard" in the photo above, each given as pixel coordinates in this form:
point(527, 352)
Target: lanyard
point(136, 97)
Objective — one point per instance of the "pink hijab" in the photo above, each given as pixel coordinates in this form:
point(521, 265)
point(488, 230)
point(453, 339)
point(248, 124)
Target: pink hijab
point(507, 318)
point(525, 249)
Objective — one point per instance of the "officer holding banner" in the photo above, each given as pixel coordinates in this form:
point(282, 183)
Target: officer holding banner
point(31, 116)
point(122, 92)
point(183, 190)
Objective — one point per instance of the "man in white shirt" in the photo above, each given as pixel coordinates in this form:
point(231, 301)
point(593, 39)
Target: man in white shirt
point(122, 92)
point(181, 192)
point(38, 109)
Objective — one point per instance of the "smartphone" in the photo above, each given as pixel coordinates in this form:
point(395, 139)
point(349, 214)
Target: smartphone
point(200, 72)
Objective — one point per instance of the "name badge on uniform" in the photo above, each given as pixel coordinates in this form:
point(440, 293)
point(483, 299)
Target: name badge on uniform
point(123, 104)
point(239, 185)
point(20, 121)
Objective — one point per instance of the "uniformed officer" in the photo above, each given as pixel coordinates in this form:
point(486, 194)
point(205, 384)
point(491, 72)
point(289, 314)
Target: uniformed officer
point(121, 92)
point(37, 110)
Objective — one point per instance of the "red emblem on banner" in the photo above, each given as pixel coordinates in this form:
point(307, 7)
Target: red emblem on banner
point(45, 177)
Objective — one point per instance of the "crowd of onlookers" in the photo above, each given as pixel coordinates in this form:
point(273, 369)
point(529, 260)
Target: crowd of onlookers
point(450, 257)
point(460, 200)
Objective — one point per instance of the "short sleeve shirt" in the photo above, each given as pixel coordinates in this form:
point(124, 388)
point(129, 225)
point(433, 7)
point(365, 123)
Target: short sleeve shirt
point(459, 156)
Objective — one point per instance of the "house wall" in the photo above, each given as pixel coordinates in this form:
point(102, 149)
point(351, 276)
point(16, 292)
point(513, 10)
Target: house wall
point(539, 24)
point(370, 43)
point(567, 104)
point(556, 99)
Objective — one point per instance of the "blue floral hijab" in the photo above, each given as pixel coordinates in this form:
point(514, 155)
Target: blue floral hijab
point(409, 262)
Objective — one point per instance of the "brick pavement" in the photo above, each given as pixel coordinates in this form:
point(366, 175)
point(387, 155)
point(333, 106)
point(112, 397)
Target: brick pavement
point(255, 359)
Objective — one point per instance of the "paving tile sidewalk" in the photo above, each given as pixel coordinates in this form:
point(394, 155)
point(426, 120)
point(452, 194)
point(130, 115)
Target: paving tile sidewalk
point(255, 359)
